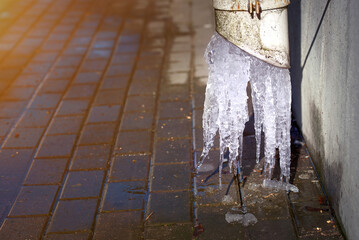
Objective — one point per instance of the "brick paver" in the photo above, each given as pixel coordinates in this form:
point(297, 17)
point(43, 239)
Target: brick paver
point(100, 125)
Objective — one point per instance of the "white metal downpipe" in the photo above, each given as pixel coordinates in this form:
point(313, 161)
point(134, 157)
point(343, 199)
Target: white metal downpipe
point(259, 27)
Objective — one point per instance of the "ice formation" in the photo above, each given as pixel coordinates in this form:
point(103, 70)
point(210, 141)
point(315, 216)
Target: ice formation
point(226, 110)
point(245, 219)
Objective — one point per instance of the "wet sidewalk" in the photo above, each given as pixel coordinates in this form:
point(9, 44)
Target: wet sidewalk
point(100, 125)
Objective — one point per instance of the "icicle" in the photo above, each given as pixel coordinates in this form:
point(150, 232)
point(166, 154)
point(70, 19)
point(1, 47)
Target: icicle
point(225, 107)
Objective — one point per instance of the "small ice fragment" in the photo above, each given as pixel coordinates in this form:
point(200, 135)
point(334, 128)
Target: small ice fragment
point(227, 200)
point(273, 184)
point(304, 176)
point(245, 219)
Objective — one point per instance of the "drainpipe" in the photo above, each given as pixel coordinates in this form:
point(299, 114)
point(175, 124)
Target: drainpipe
point(259, 27)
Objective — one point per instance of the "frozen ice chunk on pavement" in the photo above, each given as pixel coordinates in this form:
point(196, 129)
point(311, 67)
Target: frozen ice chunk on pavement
point(273, 184)
point(245, 219)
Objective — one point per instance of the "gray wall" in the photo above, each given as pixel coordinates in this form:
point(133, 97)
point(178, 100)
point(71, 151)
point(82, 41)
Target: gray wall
point(325, 79)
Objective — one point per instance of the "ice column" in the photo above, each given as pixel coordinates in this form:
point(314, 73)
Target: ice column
point(226, 111)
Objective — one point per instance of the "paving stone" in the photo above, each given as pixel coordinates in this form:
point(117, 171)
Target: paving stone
point(73, 215)
point(146, 74)
point(36, 68)
point(88, 77)
point(56, 146)
point(35, 118)
point(80, 91)
point(46, 101)
point(75, 50)
point(127, 48)
point(46, 171)
point(129, 168)
point(174, 109)
point(124, 59)
point(22, 228)
point(118, 226)
point(171, 177)
point(90, 157)
point(178, 151)
point(110, 83)
point(5, 126)
point(94, 66)
point(140, 103)
point(18, 94)
point(144, 87)
point(216, 227)
point(103, 44)
point(174, 93)
point(34, 200)
point(97, 134)
point(62, 73)
point(278, 229)
point(124, 196)
point(133, 142)
point(137, 121)
point(65, 125)
point(119, 70)
point(81, 184)
point(104, 114)
point(69, 61)
point(172, 231)
point(67, 236)
point(25, 80)
point(54, 86)
point(24, 138)
point(99, 54)
point(73, 107)
point(173, 128)
point(110, 97)
point(170, 207)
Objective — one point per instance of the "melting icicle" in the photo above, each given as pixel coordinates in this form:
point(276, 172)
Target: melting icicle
point(226, 111)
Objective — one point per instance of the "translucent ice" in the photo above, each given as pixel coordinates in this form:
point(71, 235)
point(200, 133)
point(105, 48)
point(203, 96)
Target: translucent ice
point(245, 219)
point(267, 183)
point(226, 111)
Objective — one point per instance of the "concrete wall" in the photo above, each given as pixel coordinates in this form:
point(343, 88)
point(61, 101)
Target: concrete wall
point(325, 78)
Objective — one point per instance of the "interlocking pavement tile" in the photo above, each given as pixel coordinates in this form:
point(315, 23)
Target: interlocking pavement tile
point(35, 118)
point(174, 128)
point(174, 93)
point(146, 74)
point(171, 177)
point(24, 138)
point(127, 48)
point(140, 103)
point(5, 126)
point(45, 56)
point(172, 231)
point(80, 91)
point(46, 171)
point(17, 94)
point(65, 125)
point(46, 101)
point(170, 207)
point(173, 151)
point(133, 142)
point(75, 50)
point(110, 97)
point(73, 107)
point(119, 225)
point(129, 168)
point(62, 73)
point(104, 113)
point(94, 66)
point(99, 54)
point(28, 80)
point(119, 70)
point(73, 215)
point(81, 184)
point(34, 200)
point(123, 59)
point(103, 44)
point(37, 68)
point(279, 229)
point(144, 87)
point(22, 228)
point(54, 86)
point(110, 83)
point(88, 77)
point(97, 134)
point(137, 121)
point(124, 196)
point(174, 109)
point(69, 61)
point(11, 109)
point(90, 157)
point(56, 146)
point(67, 236)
